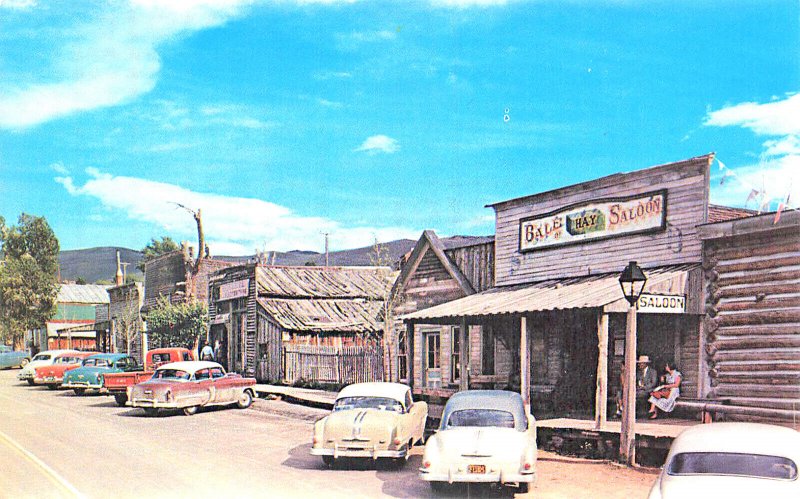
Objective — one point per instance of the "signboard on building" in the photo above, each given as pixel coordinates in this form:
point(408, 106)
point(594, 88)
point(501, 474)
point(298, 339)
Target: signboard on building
point(235, 289)
point(661, 304)
point(593, 220)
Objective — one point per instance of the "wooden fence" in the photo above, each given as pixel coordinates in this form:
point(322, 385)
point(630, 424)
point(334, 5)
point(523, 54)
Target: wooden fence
point(335, 365)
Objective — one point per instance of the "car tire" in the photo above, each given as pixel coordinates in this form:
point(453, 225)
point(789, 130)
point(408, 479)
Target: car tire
point(328, 461)
point(188, 411)
point(245, 400)
point(523, 488)
point(24, 362)
point(30, 382)
point(52, 386)
point(79, 391)
point(150, 411)
point(397, 462)
point(121, 399)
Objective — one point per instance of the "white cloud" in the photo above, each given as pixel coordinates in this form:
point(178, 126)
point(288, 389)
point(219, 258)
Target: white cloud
point(777, 173)
point(781, 117)
point(379, 143)
point(464, 4)
point(330, 75)
point(329, 103)
point(233, 225)
point(17, 4)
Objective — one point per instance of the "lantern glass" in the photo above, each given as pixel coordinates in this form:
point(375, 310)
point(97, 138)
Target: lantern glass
point(632, 281)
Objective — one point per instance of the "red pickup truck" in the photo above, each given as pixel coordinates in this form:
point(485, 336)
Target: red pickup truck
point(117, 383)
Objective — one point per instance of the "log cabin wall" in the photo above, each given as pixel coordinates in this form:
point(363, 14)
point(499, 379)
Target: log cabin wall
point(752, 326)
point(686, 183)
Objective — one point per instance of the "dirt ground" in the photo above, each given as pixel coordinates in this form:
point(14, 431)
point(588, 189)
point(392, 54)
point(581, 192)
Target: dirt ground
point(565, 477)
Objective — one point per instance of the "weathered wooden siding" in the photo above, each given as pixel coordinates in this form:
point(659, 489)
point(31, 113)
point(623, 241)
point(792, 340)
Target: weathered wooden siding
point(269, 364)
point(430, 285)
point(687, 204)
point(476, 263)
point(753, 311)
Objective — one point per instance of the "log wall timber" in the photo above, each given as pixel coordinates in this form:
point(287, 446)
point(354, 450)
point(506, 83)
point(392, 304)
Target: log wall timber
point(752, 324)
point(686, 183)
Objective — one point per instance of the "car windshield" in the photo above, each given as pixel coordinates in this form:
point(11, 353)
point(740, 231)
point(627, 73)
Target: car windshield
point(480, 417)
point(64, 360)
point(381, 403)
point(729, 463)
point(42, 356)
point(171, 374)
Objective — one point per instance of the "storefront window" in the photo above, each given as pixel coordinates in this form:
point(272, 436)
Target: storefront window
point(487, 349)
point(455, 354)
point(402, 357)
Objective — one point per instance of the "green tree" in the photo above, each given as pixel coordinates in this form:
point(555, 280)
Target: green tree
point(28, 283)
point(177, 324)
point(156, 248)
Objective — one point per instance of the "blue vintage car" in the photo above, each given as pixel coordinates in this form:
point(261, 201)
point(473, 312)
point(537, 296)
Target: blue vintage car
point(90, 374)
point(11, 358)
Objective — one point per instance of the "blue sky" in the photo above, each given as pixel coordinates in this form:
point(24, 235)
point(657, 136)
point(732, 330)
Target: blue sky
point(373, 119)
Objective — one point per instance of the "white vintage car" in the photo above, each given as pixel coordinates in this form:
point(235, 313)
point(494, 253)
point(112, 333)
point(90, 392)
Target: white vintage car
point(41, 359)
point(731, 460)
point(371, 420)
point(485, 436)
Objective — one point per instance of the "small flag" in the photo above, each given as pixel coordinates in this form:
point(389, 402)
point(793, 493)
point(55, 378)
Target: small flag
point(781, 207)
point(721, 165)
point(751, 197)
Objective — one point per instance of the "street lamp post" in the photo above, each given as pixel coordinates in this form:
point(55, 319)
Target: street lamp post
point(632, 281)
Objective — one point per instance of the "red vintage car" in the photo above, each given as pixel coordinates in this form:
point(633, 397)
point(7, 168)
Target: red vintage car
point(117, 384)
point(53, 375)
point(190, 385)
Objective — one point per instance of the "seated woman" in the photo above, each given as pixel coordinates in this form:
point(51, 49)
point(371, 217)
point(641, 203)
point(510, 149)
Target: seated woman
point(663, 397)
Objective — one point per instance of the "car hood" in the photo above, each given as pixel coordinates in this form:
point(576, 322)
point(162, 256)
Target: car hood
point(86, 372)
point(365, 423)
point(456, 443)
point(683, 487)
point(31, 366)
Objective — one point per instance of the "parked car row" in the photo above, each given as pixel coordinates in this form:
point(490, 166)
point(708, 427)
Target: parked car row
point(170, 379)
point(485, 436)
point(12, 358)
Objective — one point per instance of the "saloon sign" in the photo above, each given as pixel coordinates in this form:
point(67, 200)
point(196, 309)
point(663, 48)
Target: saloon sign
point(595, 220)
point(235, 289)
point(661, 304)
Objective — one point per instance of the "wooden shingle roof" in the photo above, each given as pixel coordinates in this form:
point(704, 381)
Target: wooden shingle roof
point(318, 316)
point(372, 283)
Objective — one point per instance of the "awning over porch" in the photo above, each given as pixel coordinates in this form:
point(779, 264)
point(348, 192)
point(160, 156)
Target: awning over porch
point(596, 291)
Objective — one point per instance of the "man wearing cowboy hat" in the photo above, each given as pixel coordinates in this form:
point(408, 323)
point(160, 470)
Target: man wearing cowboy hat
point(646, 378)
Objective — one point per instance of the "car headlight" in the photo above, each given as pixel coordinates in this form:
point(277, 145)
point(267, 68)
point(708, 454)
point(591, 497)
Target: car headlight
point(100, 379)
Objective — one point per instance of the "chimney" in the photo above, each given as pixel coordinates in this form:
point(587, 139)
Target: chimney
point(119, 280)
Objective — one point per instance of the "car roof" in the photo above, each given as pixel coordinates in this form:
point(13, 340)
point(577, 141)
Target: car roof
point(56, 351)
point(75, 353)
point(190, 366)
point(500, 400)
point(109, 356)
point(395, 391)
point(747, 438)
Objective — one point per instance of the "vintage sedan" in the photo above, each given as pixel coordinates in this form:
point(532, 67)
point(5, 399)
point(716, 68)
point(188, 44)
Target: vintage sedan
point(90, 374)
point(371, 420)
point(52, 375)
point(731, 460)
point(485, 436)
point(12, 358)
point(45, 358)
point(190, 385)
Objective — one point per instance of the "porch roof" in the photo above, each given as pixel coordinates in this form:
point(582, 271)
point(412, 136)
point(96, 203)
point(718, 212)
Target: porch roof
point(594, 291)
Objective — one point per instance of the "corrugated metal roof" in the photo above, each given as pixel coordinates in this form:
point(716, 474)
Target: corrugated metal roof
point(325, 282)
point(309, 315)
point(556, 294)
point(83, 293)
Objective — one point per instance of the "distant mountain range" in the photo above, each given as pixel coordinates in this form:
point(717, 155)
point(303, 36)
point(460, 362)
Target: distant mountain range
point(96, 264)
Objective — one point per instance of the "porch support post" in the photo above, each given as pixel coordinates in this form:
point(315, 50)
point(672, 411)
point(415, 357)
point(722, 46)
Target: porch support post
point(601, 393)
point(410, 352)
point(524, 363)
point(463, 379)
point(627, 438)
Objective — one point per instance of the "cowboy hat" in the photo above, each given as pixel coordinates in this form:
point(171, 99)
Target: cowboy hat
point(643, 359)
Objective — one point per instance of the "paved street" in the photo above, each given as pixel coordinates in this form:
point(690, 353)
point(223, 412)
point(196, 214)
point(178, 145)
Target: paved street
point(54, 444)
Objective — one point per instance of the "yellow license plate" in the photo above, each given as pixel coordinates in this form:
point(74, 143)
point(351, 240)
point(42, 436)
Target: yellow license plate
point(476, 468)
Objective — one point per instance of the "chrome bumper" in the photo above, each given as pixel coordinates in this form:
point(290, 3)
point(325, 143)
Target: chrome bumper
point(454, 476)
point(370, 452)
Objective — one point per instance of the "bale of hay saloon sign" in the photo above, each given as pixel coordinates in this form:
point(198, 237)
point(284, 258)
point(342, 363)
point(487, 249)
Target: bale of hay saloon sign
point(593, 220)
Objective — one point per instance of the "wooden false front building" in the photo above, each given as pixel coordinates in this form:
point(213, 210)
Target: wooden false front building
point(556, 311)
point(268, 321)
